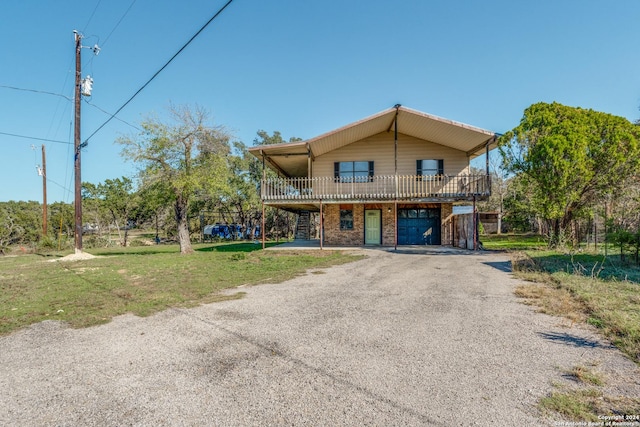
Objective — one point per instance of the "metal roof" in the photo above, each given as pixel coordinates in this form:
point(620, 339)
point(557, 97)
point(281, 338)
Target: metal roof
point(291, 158)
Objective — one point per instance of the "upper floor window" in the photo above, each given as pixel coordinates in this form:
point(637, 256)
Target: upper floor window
point(353, 171)
point(429, 167)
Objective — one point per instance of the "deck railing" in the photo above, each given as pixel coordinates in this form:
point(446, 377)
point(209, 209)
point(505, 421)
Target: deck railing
point(379, 187)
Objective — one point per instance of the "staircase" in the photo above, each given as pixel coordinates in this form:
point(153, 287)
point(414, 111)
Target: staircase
point(302, 226)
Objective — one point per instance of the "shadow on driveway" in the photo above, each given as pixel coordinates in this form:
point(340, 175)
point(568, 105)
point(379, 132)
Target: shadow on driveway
point(572, 340)
point(500, 265)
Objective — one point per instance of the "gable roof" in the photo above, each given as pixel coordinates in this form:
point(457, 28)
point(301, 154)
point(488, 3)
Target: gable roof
point(291, 158)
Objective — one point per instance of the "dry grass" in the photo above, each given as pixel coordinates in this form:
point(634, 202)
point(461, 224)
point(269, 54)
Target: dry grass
point(561, 287)
point(613, 306)
point(587, 404)
point(552, 300)
point(587, 375)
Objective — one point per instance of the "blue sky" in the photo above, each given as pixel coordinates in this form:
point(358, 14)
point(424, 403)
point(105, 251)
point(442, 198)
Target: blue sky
point(300, 67)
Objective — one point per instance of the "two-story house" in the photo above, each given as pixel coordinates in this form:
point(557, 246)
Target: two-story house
point(399, 177)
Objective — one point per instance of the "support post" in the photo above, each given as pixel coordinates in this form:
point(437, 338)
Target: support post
point(475, 226)
point(395, 221)
point(321, 226)
point(263, 222)
point(395, 176)
point(395, 149)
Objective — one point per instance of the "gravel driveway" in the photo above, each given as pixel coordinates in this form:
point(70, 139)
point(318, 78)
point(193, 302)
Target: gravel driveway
point(406, 338)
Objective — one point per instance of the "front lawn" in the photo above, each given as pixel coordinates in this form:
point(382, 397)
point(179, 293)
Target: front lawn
point(139, 280)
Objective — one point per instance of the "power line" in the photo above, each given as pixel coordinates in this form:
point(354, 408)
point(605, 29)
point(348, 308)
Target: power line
point(37, 91)
point(112, 115)
point(161, 69)
point(126, 12)
point(91, 17)
point(35, 138)
point(67, 190)
point(118, 23)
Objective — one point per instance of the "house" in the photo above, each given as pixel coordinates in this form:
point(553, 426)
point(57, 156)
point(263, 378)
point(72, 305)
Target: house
point(399, 177)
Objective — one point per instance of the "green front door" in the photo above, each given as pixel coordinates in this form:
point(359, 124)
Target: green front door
point(372, 227)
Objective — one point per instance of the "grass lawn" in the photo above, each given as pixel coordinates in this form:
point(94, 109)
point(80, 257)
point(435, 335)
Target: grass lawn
point(139, 280)
point(512, 242)
point(585, 287)
point(582, 287)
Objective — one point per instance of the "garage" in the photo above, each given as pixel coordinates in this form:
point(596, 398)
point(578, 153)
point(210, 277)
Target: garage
point(419, 226)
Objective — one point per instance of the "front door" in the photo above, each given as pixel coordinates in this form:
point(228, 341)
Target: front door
point(372, 227)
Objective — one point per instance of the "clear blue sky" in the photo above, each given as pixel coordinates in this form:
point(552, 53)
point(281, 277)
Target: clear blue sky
point(300, 67)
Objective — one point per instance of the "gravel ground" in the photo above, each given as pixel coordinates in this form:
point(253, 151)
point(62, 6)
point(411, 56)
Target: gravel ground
point(408, 338)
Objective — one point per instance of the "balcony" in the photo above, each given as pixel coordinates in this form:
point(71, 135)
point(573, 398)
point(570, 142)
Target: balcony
point(391, 187)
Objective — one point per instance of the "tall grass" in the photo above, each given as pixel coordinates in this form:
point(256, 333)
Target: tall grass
point(602, 293)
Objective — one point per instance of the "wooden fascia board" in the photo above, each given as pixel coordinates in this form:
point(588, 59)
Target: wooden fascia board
point(273, 164)
point(481, 146)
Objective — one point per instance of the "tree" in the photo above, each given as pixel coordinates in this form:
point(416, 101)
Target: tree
point(153, 207)
point(274, 219)
point(265, 139)
point(61, 218)
point(20, 223)
point(116, 196)
point(571, 157)
point(242, 199)
point(10, 231)
point(186, 156)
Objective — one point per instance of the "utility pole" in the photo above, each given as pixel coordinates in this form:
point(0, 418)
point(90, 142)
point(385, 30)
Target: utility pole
point(44, 193)
point(77, 148)
point(83, 87)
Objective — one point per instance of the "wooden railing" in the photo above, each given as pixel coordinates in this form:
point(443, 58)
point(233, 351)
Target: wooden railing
point(385, 187)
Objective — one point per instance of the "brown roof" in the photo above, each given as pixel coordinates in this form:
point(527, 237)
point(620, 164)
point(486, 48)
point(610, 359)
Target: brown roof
point(291, 158)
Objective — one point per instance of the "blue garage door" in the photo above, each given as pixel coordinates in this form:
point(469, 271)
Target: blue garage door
point(420, 226)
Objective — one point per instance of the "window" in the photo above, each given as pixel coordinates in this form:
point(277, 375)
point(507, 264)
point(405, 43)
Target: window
point(429, 167)
point(353, 171)
point(346, 219)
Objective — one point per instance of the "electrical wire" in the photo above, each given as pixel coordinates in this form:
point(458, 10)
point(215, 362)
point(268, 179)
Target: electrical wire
point(66, 189)
point(160, 70)
point(90, 61)
point(119, 21)
point(68, 164)
point(109, 114)
point(37, 91)
point(35, 138)
point(91, 17)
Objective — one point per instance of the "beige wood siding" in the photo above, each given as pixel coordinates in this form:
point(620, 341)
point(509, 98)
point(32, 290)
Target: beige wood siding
point(380, 149)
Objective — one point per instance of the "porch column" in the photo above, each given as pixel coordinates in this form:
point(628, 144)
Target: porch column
point(309, 163)
point(395, 150)
point(475, 225)
point(395, 224)
point(263, 242)
point(321, 226)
